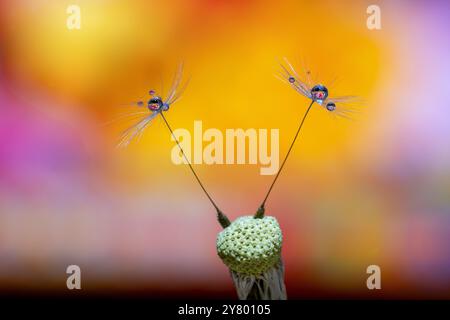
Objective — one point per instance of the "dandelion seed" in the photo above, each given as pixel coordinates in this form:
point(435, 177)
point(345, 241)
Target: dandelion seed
point(263, 280)
point(156, 105)
point(318, 93)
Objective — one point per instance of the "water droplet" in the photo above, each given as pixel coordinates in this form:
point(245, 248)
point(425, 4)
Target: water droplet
point(331, 106)
point(319, 93)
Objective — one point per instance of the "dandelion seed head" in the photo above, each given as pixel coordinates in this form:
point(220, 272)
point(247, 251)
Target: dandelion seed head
point(250, 246)
point(268, 285)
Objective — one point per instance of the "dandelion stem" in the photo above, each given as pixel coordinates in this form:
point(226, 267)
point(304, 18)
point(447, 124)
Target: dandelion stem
point(260, 213)
point(222, 218)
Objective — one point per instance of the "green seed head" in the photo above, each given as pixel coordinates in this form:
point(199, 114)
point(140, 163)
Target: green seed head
point(249, 245)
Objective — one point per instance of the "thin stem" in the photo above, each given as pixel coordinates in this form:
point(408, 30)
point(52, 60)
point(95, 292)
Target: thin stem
point(261, 209)
point(223, 220)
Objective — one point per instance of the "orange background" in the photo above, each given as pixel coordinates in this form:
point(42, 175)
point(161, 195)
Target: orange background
point(354, 193)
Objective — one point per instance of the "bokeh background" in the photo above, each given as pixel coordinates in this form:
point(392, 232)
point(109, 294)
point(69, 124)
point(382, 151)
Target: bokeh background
point(375, 190)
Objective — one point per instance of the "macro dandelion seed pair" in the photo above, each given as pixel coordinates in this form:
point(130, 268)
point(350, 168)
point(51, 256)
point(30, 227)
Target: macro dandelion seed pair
point(250, 246)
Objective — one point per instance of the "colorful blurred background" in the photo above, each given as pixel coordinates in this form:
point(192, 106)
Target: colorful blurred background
point(375, 190)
